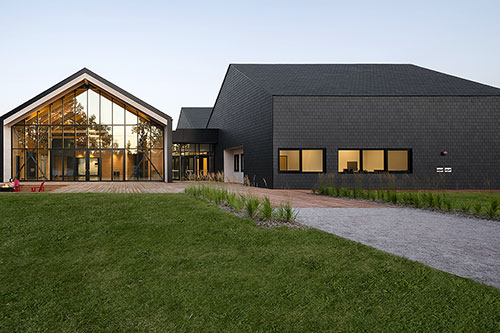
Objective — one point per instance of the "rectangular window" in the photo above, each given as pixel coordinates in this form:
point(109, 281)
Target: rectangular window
point(374, 160)
point(349, 161)
point(301, 160)
point(397, 160)
point(236, 163)
point(242, 162)
point(289, 160)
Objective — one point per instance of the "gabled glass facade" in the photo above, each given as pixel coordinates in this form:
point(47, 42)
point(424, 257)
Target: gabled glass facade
point(87, 135)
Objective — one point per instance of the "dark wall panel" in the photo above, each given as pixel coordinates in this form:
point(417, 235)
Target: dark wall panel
point(243, 115)
point(468, 128)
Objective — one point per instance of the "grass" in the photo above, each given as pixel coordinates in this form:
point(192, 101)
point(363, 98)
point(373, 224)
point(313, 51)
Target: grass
point(167, 262)
point(479, 204)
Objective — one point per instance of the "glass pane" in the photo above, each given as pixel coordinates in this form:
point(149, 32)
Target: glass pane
point(69, 165)
point(176, 149)
point(118, 113)
point(81, 165)
point(43, 164)
point(93, 106)
point(106, 156)
point(18, 164)
point(397, 160)
point(31, 164)
point(94, 164)
point(118, 137)
point(81, 137)
point(32, 119)
point(348, 161)
point(157, 137)
point(106, 112)
point(131, 116)
point(142, 165)
point(18, 140)
point(205, 148)
point(312, 160)
point(106, 136)
point(31, 136)
point(118, 165)
point(43, 116)
point(143, 136)
point(131, 137)
point(157, 164)
point(56, 137)
point(289, 160)
point(69, 109)
point(56, 164)
point(130, 164)
point(43, 136)
point(69, 137)
point(81, 107)
point(93, 136)
point(373, 160)
point(56, 112)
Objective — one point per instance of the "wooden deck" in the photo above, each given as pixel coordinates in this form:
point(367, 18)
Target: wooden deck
point(296, 198)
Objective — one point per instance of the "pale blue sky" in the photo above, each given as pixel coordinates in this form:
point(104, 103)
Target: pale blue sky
point(175, 53)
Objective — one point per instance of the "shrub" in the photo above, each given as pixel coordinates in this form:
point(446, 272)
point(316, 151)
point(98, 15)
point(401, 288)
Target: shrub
point(287, 213)
point(448, 204)
point(417, 201)
point(235, 202)
point(476, 208)
point(465, 207)
point(251, 206)
point(266, 209)
point(492, 209)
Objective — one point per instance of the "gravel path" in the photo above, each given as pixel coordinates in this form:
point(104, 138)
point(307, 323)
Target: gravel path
point(463, 246)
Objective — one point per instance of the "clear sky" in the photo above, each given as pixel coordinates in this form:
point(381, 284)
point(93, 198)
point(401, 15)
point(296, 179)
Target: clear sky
point(175, 53)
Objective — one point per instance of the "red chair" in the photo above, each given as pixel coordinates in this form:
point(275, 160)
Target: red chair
point(17, 186)
point(40, 189)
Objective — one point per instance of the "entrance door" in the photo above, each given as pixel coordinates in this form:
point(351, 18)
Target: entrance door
point(176, 171)
point(187, 167)
point(87, 165)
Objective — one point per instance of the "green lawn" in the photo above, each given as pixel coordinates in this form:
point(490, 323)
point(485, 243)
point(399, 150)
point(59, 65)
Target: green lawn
point(121, 262)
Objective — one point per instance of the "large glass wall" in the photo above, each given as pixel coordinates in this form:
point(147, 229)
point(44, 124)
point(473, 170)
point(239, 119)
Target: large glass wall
point(87, 135)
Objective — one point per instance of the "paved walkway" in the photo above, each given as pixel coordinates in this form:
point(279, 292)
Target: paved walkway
point(467, 247)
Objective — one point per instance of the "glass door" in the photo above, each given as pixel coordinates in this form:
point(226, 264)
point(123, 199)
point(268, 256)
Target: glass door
point(93, 166)
point(81, 165)
point(187, 167)
point(176, 168)
point(202, 166)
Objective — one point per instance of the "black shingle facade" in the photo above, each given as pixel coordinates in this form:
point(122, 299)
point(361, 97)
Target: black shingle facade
point(264, 108)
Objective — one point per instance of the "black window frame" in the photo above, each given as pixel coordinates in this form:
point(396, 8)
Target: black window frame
point(300, 161)
point(242, 162)
point(386, 170)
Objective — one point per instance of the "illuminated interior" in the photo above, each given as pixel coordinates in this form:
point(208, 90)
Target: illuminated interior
point(289, 160)
point(373, 160)
point(397, 160)
point(312, 160)
point(87, 135)
point(349, 160)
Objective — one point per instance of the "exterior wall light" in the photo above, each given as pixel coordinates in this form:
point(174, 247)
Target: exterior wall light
point(444, 153)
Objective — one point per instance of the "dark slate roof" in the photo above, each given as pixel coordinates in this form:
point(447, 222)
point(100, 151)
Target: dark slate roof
point(97, 77)
point(194, 117)
point(360, 80)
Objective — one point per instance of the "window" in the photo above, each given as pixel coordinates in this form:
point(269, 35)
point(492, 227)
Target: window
point(242, 162)
point(397, 160)
point(301, 160)
point(236, 163)
point(289, 160)
point(312, 160)
point(374, 160)
point(349, 160)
